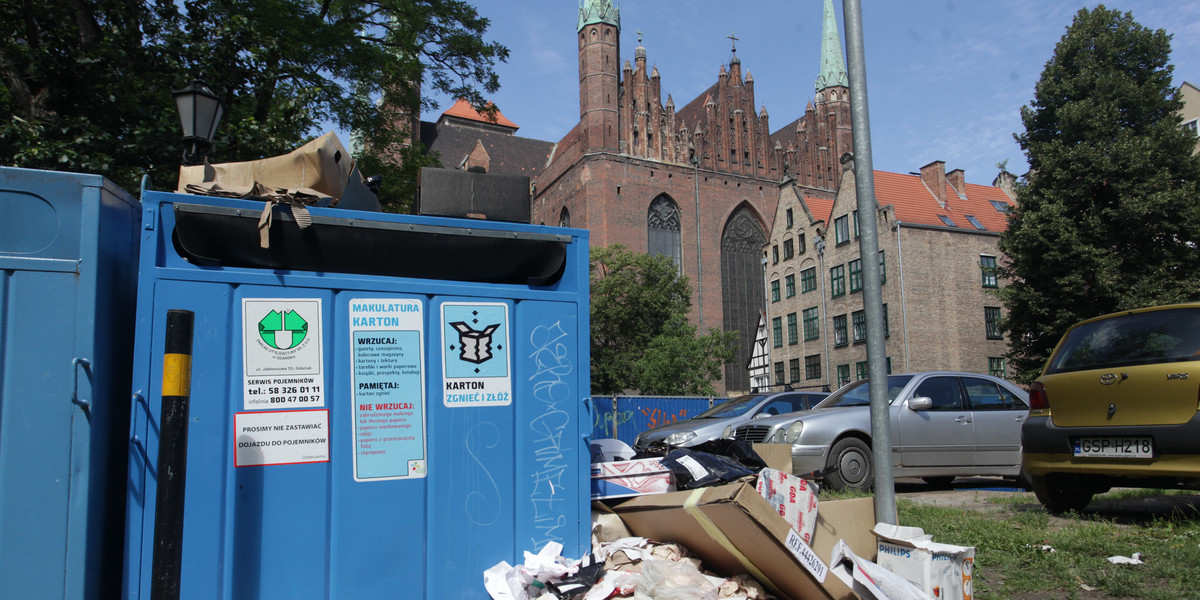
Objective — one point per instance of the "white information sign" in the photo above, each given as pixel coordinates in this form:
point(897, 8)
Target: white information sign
point(387, 378)
point(283, 353)
point(281, 437)
point(476, 367)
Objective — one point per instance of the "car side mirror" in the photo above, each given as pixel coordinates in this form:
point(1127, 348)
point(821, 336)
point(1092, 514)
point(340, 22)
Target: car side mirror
point(920, 403)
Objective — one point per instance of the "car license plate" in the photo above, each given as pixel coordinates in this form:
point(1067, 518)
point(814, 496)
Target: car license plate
point(1114, 447)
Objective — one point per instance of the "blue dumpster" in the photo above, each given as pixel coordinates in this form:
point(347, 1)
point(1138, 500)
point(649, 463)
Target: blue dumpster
point(68, 252)
point(380, 406)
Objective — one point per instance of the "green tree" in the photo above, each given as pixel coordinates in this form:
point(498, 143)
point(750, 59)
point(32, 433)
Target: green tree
point(87, 84)
point(641, 337)
point(1107, 218)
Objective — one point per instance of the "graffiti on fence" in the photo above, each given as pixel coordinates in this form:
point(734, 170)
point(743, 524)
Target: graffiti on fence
point(625, 417)
point(656, 417)
point(607, 423)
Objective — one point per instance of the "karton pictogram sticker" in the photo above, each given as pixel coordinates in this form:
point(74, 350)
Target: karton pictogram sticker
point(476, 354)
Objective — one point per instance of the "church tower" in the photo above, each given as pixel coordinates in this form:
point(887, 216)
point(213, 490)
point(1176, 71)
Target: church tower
point(831, 104)
point(599, 48)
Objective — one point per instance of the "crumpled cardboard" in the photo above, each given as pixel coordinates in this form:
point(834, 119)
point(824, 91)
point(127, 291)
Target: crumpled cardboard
point(319, 173)
point(734, 530)
point(318, 169)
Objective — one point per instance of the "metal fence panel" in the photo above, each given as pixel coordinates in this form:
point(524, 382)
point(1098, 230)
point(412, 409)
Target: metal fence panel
point(624, 417)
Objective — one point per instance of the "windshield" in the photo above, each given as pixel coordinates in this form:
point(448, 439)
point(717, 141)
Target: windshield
point(859, 392)
point(733, 408)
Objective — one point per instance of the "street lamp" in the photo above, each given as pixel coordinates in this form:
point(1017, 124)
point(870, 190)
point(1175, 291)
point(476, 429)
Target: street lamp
point(200, 112)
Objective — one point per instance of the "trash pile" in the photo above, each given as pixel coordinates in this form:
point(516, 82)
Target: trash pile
point(727, 519)
point(629, 567)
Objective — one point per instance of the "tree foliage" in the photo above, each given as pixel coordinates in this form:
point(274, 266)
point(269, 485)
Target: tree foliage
point(1108, 218)
point(87, 84)
point(641, 337)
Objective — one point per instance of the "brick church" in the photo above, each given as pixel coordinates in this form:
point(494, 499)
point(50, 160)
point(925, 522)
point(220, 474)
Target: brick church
point(698, 182)
point(711, 185)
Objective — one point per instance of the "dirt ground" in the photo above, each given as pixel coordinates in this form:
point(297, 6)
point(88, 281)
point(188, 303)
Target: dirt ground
point(974, 494)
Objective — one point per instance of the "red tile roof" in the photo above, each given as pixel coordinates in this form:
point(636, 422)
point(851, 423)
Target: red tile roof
point(915, 204)
point(463, 110)
point(820, 208)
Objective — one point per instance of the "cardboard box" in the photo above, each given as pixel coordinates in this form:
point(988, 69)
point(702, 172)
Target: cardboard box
point(777, 456)
point(733, 530)
point(623, 478)
point(944, 571)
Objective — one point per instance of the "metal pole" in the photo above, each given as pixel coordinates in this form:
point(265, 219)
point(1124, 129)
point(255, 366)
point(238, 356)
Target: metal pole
point(868, 247)
point(172, 456)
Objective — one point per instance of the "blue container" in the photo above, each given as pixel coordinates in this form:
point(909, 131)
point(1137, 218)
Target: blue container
point(381, 406)
point(68, 251)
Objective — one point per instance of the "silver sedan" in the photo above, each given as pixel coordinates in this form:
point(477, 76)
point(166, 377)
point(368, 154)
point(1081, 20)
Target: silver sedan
point(943, 425)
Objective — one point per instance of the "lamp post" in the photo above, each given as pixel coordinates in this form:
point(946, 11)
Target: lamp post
point(200, 112)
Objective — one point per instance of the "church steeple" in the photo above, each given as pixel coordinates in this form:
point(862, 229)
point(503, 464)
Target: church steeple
point(598, 11)
point(833, 66)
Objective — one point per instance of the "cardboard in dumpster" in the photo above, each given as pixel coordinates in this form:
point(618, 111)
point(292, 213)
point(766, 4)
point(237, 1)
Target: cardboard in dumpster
point(732, 529)
point(624, 478)
point(319, 173)
point(943, 571)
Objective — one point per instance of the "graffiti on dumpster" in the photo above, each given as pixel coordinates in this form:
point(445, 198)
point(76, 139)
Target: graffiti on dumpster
point(552, 391)
point(483, 509)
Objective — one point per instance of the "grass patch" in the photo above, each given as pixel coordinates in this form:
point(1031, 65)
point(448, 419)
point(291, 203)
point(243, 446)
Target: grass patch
point(1013, 558)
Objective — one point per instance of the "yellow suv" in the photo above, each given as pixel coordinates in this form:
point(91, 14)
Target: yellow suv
point(1117, 404)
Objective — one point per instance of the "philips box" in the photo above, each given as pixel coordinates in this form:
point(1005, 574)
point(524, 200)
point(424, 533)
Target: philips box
point(943, 571)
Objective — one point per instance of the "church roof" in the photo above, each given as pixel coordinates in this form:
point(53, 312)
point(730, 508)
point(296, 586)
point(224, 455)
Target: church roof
point(598, 11)
point(463, 110)
point(510, 154)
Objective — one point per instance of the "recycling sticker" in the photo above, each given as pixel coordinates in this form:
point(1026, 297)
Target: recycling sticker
point(477, 370)
point(283, 353)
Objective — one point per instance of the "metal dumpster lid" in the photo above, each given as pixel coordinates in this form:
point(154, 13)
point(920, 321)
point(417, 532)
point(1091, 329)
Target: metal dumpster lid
point(228, 237)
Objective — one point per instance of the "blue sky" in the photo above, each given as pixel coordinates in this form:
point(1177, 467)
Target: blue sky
point(945, 78)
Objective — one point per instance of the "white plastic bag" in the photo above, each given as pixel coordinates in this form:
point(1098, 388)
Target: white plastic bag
point(670, 580)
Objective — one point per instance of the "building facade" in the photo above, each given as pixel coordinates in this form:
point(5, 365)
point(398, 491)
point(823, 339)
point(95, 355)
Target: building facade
point(698, 183)
point(938, 240)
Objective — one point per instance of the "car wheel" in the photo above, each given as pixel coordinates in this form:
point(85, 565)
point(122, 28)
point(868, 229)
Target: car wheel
point(939, 482)
point(850, 466)
point(1061, 493)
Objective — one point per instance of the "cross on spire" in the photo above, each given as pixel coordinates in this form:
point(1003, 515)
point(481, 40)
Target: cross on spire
point(734, 38)
point(639, 32)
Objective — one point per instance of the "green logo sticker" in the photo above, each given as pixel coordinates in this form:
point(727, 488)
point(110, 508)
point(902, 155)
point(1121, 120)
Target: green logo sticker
point(283, 331)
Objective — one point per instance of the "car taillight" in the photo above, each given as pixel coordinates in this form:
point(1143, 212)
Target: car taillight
point(1037, 396)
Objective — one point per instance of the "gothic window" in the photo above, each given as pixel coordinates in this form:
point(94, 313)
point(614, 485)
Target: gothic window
point(564, 218)
point(662, 229)
point(741, 288)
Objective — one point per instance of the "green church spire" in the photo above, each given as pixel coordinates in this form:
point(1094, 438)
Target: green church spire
point(598, 11)
point(833, 66)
